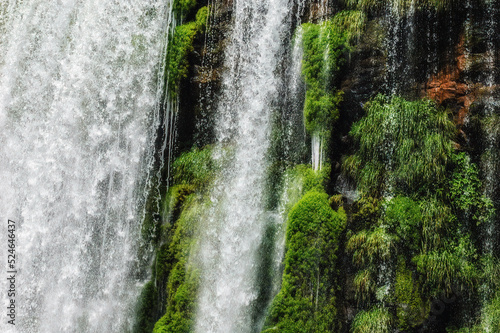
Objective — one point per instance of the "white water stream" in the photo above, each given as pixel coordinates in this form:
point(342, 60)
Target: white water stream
point(236, 223)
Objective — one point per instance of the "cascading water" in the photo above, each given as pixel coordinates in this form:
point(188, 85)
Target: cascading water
point(79, 102)
point(234, 229)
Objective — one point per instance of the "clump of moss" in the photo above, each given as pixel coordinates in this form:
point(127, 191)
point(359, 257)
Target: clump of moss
point(182, 281)
point(412, 309)
point(403, 146)
point(146, 309)
point(323, 47)
point(306, 301)
point(180, 48)
point(184, 6)
point(299, 180)
point(174, 277)
point(195, 167)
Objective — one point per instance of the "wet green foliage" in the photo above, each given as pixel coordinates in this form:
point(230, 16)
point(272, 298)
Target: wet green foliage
point(195, 167)
point(375, 320)
point(172, 290)
point(146, 309)
point(183, 7)
point(181, 46)
point(306, 301)
point(324, 46)
point(403, 146)
point(174, 267)
point(411, 309)
point(414, 222)
point(465, 190)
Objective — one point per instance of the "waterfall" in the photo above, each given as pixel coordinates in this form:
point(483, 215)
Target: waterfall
point(79, 100)
point(294, 133)
point(235, 225)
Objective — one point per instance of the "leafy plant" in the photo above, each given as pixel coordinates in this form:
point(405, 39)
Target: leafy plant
point(404, 147)
point(376, 320)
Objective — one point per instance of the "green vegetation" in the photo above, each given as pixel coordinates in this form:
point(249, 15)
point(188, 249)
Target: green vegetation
point(172, 290)
point(411, 309)
point(423, 233)
point(146, 308)
point(403, 147)
point(181, 46)
point(184, 6)
point(173, 268)
point(306, 301)
point(413, 235)
point(401, 5)
point(324, 45)
point(465, 190)
point(195, 167)
point(376, 320)
point(299, 180)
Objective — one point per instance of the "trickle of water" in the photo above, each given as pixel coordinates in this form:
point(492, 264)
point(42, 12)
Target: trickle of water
point(236, 222)
point(80, 87)
point(492, 106)
point(317, 152)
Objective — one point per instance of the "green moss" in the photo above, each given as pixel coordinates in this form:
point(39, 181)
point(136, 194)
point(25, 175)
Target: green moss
point(376, 320)
point(184, 6)
point(195, 167)
point(306, 301)
point(182, 280)
point(323, 46)
point(181, 46)
point(403, 146)
point(404, 216)
point(365, 213)
point(411, 309)
point(146, 309)
point(321, 58)
point(491, 316)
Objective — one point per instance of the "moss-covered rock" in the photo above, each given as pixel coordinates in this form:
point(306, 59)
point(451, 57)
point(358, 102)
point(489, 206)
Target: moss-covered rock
point(146, 309)
point(180, 47)
point(306, 301)
point(195, 167)
point(182, 280)
point(411, 309)
point(324, 46)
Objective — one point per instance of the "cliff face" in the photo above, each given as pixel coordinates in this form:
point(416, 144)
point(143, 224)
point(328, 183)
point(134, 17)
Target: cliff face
point(409, 94)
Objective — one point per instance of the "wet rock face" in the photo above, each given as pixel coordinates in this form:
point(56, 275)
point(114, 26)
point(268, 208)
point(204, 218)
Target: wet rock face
point(448, 87)
point(441, 55)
